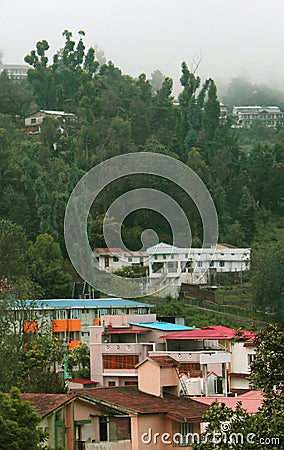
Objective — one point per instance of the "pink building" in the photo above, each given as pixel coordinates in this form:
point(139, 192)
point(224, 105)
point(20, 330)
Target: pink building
point(125, 341)
point(212, 360)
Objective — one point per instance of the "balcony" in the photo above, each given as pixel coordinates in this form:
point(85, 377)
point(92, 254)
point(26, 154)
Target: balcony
point(201, 357)
point(74, 325)
point(59, 326)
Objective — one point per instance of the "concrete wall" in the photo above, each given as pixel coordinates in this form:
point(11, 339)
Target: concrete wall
point(149, 378)
point(239, 362)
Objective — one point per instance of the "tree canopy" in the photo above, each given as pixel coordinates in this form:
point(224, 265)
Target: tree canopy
point(115, 113)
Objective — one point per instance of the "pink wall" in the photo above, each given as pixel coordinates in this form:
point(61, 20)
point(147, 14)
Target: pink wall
point(149, 378)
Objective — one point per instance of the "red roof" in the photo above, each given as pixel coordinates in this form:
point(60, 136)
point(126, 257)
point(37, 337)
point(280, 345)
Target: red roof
point(109, 250)
point(45, 404)
point(164, 361)
point(253, 394)
point(82, 381)
point(130, 399)
point(251, 402)
point(214, 332)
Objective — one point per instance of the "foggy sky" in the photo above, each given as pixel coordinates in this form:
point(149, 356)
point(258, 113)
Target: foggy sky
point(234, 38)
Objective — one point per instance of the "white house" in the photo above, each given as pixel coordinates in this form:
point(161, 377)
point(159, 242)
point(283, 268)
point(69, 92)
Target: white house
point(35, 120)
point(170, 266)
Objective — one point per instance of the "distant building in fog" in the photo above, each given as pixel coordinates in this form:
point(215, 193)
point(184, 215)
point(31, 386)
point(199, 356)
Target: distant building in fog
point(15, 71)
point(269, 116)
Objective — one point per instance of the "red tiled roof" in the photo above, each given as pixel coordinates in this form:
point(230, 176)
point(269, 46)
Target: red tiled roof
point(45, 404)
point(214, 332)
point(108, 250)
point(129, 399)
point(82, 381)
point(164, 361)
point(250, 403)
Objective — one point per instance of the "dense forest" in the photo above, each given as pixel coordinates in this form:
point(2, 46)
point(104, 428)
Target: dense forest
point(116, 114)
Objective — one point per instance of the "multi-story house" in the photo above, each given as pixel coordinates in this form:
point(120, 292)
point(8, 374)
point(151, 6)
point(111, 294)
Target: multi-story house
point(70, 319)
point(212, 360)
point(270, 116)
point(125, 341)
point(171, 266)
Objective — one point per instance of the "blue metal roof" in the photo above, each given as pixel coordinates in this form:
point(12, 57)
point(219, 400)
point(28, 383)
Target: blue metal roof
point(90, 303)
point(162, 326)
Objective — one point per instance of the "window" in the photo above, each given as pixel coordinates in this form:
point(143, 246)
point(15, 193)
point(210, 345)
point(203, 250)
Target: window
point(251, 359)
point(188, 367)
point(33, 120)
point(75, 314)
point(120, 361)
point(129, 259)
point(199, 264)
point(115, 259)
point(111, 383)
point(164, 256)
point(103, 429)
point(221, 264)
point(211, 264)
point(185, 435)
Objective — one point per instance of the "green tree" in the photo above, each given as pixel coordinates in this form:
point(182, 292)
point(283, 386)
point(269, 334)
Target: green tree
point(78, 360)
point(131, 272)
point(247, 215)
point(15, 313)
point(39, 365)
point(14, 248)
point(19, 423)
point(211, 116)
point(15, 98)
point(267, 367)
point(268, 279)
point(47, 268)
